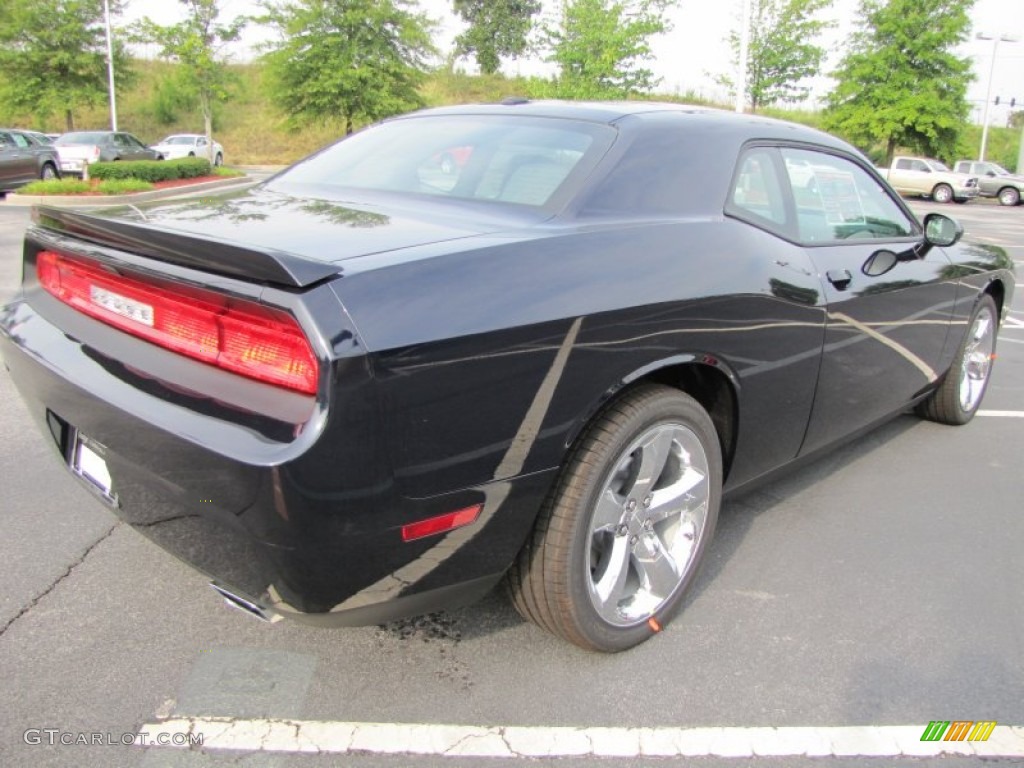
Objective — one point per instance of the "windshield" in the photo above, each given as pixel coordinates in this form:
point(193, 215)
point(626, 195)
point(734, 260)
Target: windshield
point(179, 140)
point(492, 158)
point(82, 138)
point(998, 170)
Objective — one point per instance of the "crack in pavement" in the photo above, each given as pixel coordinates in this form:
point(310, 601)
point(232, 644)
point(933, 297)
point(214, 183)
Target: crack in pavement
point(68, 571)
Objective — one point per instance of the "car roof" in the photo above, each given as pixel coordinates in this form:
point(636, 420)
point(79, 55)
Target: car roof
point(699, 119)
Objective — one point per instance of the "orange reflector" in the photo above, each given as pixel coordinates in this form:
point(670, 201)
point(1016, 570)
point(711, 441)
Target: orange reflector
point(654, 624)
point(441, 523)
point(239, 336)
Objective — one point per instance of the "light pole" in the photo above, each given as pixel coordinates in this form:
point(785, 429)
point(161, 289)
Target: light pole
point(741, 80)
point(996, 39)
point(110, 68)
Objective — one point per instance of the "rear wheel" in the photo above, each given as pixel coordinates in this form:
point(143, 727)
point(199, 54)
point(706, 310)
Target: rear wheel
point(958, 397)
point(218, 160)
point(1009, 196)
point(619, 541)
point(943, 193)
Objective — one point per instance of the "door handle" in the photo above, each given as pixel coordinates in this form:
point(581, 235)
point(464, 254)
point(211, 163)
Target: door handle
point(840, 278)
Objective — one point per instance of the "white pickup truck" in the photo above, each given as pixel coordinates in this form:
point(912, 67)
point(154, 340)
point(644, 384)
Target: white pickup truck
point(929, 178)
point(994, 180)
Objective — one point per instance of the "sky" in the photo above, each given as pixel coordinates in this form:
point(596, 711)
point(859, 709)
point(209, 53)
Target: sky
point(689, 57)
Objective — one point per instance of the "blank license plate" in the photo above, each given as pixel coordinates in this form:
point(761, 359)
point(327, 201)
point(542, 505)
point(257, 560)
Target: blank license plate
point(90, 465)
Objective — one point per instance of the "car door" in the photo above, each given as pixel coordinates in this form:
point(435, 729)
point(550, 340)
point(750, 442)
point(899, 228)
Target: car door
point(20, 162)
point(8, 160)
point(889, 305)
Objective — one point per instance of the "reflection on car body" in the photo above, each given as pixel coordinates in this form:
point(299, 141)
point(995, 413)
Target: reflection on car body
point(369, 388)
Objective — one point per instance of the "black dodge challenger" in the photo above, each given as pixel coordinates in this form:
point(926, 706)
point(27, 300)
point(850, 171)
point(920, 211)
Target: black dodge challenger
point(530, 341)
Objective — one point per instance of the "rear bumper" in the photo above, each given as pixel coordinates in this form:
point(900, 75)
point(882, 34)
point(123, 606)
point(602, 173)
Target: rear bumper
point(303, 527)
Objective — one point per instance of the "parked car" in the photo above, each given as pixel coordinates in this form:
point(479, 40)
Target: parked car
point(926, 177)
point(79, 148)
point(994, 181)
point(189, 145)
point(24, 159)
point(364, 390)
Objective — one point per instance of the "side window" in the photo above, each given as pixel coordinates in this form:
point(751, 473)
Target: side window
point(757, 193)
point(5, 141)
point(838, 200)
point(918, 165)
point(904, 165)
point(20, 140)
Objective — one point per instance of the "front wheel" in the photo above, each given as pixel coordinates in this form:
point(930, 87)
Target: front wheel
point(1009, 196)
point(943, 193)
point(218, 160)
point(958, 397)
point(48, 172)
point(622, 534)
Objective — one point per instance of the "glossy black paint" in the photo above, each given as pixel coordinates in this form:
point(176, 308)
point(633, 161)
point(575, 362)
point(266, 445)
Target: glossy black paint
point(464, 346)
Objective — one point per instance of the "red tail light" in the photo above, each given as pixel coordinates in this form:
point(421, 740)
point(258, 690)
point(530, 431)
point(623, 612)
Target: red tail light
point(243, 337)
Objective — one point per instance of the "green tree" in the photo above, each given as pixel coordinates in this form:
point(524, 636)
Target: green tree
point(349, 60)
point(781, 50)
point(601, 46)
point(53, 56)
point(900, 83)
point(496, 28)
point(197, 43)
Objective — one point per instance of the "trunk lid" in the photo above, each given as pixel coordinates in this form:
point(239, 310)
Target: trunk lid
point(265, 236)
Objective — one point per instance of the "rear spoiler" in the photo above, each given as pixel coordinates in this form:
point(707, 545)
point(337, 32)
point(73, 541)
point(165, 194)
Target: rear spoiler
point(265, 265)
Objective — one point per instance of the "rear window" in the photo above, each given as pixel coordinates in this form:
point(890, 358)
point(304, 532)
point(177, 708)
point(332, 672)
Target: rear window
point(518, 160)
point(81, 138)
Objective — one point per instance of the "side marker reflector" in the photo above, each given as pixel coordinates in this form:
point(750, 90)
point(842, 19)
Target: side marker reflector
point(441, 524)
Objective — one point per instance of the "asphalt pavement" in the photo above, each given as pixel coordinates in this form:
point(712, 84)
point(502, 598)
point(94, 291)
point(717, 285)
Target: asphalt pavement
point(880, 586)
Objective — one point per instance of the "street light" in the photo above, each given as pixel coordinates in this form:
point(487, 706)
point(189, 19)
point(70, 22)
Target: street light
point(110, 68)
point(741, 84)
point(988, 90)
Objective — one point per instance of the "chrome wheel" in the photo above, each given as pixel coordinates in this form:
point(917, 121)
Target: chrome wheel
point(1009, 196)
point(942, 193)
point(622, 533)
point(977, 359)
point(959, 394)
point(647, 524)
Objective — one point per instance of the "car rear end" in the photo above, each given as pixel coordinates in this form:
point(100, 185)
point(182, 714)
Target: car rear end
point(220, 401)
point(74, 158)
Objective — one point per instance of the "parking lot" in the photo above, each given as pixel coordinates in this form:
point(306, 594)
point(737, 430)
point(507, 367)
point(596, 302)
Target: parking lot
point(879, 587)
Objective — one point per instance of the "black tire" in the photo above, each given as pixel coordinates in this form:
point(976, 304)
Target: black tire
point(218, 160)
point(943, 193)
point(48, 172)
point(959, 396)
point(558, 576)
point(1009, 196)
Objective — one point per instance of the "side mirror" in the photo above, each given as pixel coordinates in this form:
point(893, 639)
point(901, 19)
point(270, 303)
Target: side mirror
point(941, 230)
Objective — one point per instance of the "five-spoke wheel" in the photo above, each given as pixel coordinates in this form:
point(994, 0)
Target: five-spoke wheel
point(621, 537)
point(957, 399)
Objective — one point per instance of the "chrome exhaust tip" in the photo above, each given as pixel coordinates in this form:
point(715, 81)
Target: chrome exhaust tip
point(242, 604)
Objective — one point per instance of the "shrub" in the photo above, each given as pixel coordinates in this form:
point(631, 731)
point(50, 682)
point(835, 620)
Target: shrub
point(122, 186)
point(151, 170)
point(56, 187)
point(227, 173)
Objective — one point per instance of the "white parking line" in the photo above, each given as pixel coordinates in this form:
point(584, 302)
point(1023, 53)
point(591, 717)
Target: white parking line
point(1002, 414)
point(515, 742)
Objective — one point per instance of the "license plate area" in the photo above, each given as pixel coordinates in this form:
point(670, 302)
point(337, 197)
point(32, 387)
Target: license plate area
point(87, 460)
